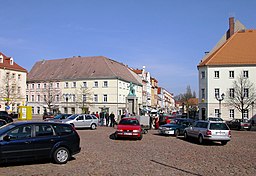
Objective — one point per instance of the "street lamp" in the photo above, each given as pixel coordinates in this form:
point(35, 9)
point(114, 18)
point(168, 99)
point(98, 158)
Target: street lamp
point(252, 107)
point(220, 99)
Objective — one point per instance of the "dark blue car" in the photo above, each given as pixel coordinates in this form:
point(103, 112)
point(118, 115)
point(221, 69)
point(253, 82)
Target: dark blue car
point(175, 128)
point(22, 141)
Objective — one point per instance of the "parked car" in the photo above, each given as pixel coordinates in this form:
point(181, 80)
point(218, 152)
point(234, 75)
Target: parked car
point(209, 131)
point(5, 113)
point(48, 115)
point(2, 122)
point(82, 121)
point(214, 119)
point(176, 127)
point(6, 118)
point(239, 124)
point(22, 141)
point(58, 118)
point(129, 128)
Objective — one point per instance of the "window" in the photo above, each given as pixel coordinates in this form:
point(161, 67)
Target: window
point(246, 74)
point(20, 132)
point(74, 98)
point(62, 130)
point(105, 98)
point(231, 113)
point(38, 86)
point(19, 88)
point(217, 113)
point(231, 93)
point(44, 97)
point(44, 85)
point(231, 74)
point(84, 97)
point(32, 98)
point(95, 98)
point(32, 86)
point(33, 110)
point(74, 84)
point(246, 92)
point(202, 74)
point(27, 98)
point(51, 85)
point(57, 98)
point(203, 93)
point(27, 86)
point(105, 84)
point(58, 85)
point(38, 110)
point(245, 114)
point(19, 76)
point(96, 84)
point(84, 84)
point(38, 98)
point(66, 84)
point(217, 92)
point(43, 130)
point(13, 75)
point(216, 74)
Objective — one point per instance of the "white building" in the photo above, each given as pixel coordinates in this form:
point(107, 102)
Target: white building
point(94, 83)
point(13, 84)
point(220, 68)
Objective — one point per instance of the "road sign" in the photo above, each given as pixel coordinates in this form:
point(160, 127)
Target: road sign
point(7, 107)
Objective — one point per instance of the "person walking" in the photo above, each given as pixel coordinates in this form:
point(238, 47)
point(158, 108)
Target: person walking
point(107, 118)
point(97, 114)
point(101, 118)
point(112, 119)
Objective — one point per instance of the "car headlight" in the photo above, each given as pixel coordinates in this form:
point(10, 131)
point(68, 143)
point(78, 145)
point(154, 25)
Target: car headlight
point(136, 131)
point(160, 128)
point(119, 130)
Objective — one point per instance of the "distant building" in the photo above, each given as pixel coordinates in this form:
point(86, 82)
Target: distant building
point(13, 84)
point(81, 83)
point(220, 68)
point(166, 102)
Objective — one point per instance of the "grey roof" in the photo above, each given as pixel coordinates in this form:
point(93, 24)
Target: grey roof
point(80, 68)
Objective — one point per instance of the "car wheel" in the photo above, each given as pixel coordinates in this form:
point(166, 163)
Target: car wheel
point(200, 139)
point(185, 135)
point(61, 155)
point(115, 136)
point(176, 132)
point(224, 142)
point(93, 126)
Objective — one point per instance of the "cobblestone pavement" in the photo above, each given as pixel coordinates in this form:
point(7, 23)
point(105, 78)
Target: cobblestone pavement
point(153, 155)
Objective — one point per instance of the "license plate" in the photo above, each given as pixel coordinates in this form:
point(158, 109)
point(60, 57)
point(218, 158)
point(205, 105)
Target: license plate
point(220, 133)
point(169, 132)
point(125, 133)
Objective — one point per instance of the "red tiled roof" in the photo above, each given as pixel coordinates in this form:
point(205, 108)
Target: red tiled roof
point(6, 64)
point(239, 49)
point(97, 67)
point(137, 71)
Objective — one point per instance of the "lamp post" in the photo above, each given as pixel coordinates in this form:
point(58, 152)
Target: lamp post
point(252, 107)
point(220, 98)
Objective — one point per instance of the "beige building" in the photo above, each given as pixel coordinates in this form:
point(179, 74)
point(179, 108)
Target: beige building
point(92, 84)
point(13, 84)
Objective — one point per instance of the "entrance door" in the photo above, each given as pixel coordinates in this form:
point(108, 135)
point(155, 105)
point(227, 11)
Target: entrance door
point(203, 113)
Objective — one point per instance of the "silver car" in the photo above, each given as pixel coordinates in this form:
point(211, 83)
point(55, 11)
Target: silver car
point(209, 130)
point(82, 121)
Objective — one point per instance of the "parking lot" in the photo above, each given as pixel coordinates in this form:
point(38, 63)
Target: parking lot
point(153, 155)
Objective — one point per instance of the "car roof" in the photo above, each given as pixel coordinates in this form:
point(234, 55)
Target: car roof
point(32, 123)
point(129, 118)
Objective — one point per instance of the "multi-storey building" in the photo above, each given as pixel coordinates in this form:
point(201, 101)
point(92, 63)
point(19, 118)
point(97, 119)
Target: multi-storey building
point(13, 84)
point(154, 94)
point(219, 70)
point(166, 101)
point(78, 84)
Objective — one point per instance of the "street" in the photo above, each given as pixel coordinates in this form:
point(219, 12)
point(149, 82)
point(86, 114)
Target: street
point(153, 155)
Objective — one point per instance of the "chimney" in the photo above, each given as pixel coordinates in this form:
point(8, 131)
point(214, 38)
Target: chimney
point(231, 30)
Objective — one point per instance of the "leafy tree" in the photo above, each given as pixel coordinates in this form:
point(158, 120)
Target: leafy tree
point(242, 95)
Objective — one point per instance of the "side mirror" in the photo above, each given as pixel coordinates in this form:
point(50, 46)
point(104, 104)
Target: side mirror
point(7, 138)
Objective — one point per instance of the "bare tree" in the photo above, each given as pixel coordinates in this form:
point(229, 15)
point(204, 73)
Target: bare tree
point(49, 93)
point(84, 98)
point(10, 90)
point(242, 95)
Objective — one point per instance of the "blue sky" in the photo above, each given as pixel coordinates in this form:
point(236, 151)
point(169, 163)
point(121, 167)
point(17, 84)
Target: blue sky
point(169, 37)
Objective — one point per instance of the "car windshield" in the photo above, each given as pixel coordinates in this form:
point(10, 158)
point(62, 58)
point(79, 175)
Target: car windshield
point(5, 128)
point(218, 126)
point(129, 122)
point(58, 116)
point(72, 117)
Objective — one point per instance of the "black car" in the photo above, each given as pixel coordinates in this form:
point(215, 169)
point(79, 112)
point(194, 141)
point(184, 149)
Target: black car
point(2, 122)
point(6, 118)
point(239, 124)
point(58, 118)
point(3, 113)
point(22, 141)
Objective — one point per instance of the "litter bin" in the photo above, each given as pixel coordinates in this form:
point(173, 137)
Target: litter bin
point(25, 113)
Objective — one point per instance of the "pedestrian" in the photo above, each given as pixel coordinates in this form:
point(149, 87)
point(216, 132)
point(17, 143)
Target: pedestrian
point(107, 118)
point(97, 114)
point(101, 118)
point(112, 119)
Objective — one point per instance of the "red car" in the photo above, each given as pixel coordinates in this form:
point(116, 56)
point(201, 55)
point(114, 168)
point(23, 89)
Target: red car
point(129, 128)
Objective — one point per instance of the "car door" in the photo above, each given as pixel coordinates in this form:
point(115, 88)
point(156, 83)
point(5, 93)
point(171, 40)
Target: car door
point(19, 144)
point(88, 120)
point(79, 121)
point(45, 139)
point(195, 129)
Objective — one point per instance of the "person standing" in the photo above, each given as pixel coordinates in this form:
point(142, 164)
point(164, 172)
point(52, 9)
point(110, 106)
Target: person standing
point(101, 118)
point(107, 118)
point(97, 114)
point(112, 119)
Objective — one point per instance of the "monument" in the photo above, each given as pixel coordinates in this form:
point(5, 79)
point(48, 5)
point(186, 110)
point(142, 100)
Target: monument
point(132, 101)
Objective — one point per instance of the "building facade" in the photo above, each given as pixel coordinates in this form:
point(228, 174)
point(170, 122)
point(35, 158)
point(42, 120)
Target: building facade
point(13, 84)
point(81, 84)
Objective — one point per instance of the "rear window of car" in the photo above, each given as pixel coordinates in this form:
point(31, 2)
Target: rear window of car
point(62, 130)
point(218, 126)
point(129, 122)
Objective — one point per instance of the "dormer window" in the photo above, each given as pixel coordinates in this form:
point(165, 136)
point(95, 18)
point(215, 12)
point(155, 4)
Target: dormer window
point(11, 61)
point(1, 58)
